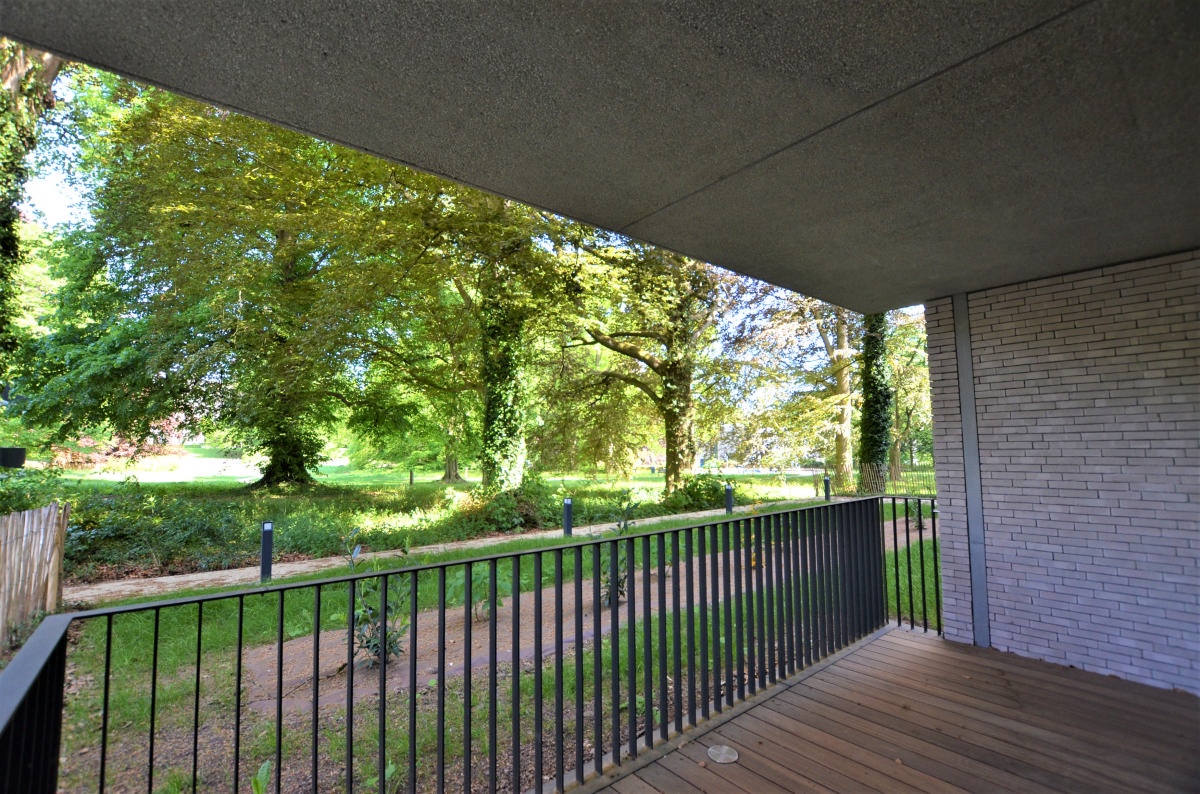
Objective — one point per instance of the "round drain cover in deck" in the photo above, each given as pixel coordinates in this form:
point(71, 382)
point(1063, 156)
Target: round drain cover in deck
point(722, 754)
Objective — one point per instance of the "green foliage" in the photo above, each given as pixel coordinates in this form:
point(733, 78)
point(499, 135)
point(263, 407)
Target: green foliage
point(28, 489)
point(380, 620)
point(701, 492)
point(261, 779)
point(132, 528)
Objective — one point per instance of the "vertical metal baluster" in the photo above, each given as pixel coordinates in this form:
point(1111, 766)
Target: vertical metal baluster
point(381, 717)
point(727, 555)
point(413, 596)
point(108, 631)
point(615, 635)
point(908, 566)
point(493, 608)
point(677, 643)
point(808, 615)
point(766, 603)
point(598, 663)
point(739, 606)
point(848, 570)
point(559, 738)
point(648, 639)
point(153, 703)
point(279, 694)
point(441, 681)
point(921, 557)
point(820, 621)
point(896, 562)
point(937, 569)
point(702, 554)
point(350, 639)
point(689, 552)
point(237, 693)
point(631, 631)
point(196, 701)
point(788, 572)
point(314, 755)
point(579, 695)
point(538, 758)
point(664, 570)
point(468, 664)
point(516, 662)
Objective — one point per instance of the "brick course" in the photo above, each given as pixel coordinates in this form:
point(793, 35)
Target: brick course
point(1088, 407)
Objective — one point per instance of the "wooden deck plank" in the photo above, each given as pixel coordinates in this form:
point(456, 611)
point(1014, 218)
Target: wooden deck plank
point(1091, 694)
point(768, 722)
point(939, 737)
point(904, 711)
point(846, 722)
point(793, 758)
point(1094, 726)
point(1020, 723)
point(1006, 733)
point(734, 777)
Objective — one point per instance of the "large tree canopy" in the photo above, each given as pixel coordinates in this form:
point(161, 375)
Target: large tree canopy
point(202, 290)
point(657, 312)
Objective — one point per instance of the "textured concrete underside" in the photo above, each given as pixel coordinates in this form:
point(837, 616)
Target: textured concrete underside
point(872, 156)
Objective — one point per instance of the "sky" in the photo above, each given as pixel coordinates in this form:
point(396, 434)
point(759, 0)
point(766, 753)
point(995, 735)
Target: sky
point(50, 197)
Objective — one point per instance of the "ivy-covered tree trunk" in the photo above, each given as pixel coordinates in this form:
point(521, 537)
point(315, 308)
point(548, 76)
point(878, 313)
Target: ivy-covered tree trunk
point(503, 455)
point(875, 427)
point(843, 452)
point(26, 75)
point(678, 412)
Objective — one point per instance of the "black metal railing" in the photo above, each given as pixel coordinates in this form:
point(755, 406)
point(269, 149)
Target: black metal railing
point(503, 672)
point(913, 570)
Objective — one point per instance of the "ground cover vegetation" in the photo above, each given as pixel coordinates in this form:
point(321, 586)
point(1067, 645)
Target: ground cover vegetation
point(290, 299)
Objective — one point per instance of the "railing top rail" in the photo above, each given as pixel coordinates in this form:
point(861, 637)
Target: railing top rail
point(25, 668)
point(433, 566)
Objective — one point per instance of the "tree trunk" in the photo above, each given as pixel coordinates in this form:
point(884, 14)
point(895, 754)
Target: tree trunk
point(503, 459)
point(681, 447)
point(843, 441)
point(450, 469)
point(286, 451)
point(875, 426)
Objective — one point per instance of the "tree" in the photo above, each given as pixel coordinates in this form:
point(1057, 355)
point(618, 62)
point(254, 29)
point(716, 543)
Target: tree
point(806, 349)
point(909, 365)
point(657, 312)
point(202, 289)
point(27, 75)
point(876, 422)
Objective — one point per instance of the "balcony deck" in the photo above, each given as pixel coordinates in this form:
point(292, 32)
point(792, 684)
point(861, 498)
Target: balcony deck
point(908, 712)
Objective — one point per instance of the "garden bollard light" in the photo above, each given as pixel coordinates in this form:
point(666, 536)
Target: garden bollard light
point(827, 488)
point(728, 498)
point(567, 517)
point(268, 549)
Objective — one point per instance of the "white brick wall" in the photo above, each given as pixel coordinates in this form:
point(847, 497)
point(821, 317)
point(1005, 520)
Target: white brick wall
point(1088, 405)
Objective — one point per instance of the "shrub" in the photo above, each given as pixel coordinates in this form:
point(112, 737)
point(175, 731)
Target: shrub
point(134, 529)
point(27, 489)
point(702, 492)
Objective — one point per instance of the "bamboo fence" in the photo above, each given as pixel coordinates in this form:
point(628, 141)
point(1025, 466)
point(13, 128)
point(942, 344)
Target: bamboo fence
point(31, 555)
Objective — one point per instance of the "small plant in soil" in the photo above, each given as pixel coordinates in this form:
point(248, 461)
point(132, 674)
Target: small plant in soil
point(614, 579)
point(380, 622)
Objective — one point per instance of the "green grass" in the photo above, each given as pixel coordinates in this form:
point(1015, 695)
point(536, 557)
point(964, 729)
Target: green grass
point(917, 605)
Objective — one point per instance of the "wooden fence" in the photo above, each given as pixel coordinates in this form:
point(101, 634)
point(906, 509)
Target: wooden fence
point(31, 554)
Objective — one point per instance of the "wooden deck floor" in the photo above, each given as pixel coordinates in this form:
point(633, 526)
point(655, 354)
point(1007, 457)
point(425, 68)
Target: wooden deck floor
point(910, 712)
